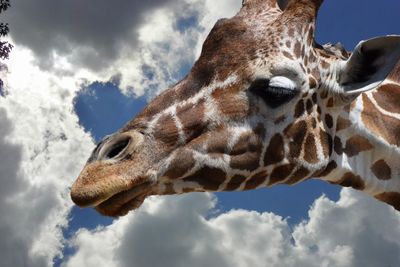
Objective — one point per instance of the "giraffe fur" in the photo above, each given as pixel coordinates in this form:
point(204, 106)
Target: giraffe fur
point(263, 105)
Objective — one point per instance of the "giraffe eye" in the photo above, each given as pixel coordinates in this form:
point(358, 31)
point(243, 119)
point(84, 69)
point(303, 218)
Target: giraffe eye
point(275, 92)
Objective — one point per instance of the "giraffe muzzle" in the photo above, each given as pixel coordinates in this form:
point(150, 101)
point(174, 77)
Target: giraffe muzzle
point(125, 201)
point(108, 175)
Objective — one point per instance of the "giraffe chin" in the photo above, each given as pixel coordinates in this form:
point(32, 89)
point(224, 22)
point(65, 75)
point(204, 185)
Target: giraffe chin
point(123, 202)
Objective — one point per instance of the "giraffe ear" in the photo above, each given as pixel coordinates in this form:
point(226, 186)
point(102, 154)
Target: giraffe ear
point(370, 64)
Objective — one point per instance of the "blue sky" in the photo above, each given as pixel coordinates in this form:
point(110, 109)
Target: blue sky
point(43, 151)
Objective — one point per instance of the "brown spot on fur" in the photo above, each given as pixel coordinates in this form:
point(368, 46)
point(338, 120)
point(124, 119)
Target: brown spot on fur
point(159, 103)
point(330, 102)
point(247, 161)
point(310, 36)
point(229, 104)
point(313, 123)
point(356, 145)
point(191, 118)
point(311, 57)
point(181, 163)
point(298, 176)
point(250, 141)
point(225, 47)
point(382, 170)
point(288, 55)
point(326, 171)
point(306, 61)
point(256, 180)
point(309, 106)
point(312, 82)
point(235, 182)
point(275, 151)
point(310, 149)
point(291, 32)
point(388, 97)
point(349, 179)
point(314, 98)
point(296, 132)
point(259, 130)
point(342, 124)
point(324, 94)
point(324, 53)
point(319, 113)
point(326, 143)
point(381, 125)
point(316, 74)
point(166, 130)
point(246, 153)
point(324, 64)
point(299, 109)
point(329, 121)
point(297, 49)
point(280, 173)
point(391, 198)
point(338, 146)
point(209, 178)
point(280, 119)
point(216, 143)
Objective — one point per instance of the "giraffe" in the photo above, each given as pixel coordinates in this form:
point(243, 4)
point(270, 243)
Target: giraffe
point(263, 105)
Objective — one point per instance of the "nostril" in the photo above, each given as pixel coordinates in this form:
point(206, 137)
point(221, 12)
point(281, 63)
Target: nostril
point(116, 148)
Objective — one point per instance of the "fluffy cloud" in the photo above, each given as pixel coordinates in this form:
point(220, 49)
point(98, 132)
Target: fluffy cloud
point(42, 146)
point(92, 33)
point(178, 231)
point(143, 45)
point(42, 149)
point(357, 231)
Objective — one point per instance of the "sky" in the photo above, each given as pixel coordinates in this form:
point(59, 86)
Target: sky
point(81, 69)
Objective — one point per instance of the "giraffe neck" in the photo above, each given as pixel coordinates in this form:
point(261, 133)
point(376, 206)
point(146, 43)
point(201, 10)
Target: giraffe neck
point(367, 143)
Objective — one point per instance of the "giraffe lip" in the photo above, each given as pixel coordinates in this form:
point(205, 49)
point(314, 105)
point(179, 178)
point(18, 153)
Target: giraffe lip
point(121, 203)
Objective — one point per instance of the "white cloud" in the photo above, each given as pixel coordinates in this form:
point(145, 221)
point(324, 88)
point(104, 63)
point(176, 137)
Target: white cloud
point(140, 43)
point(89, 34)
point(177, 231)
point(42, 150)
point(162, 49)
point(42, 146)
point(367, 229)
point(161, 53)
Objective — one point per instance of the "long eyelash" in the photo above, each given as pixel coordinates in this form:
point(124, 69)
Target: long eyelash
point(280, 90)
point(272, 96)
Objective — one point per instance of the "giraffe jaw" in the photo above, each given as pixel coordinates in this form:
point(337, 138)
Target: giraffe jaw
point(121, 203)
point(112, 193)
point(114, 202)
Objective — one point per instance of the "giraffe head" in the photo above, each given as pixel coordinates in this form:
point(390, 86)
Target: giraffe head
point(254, 111)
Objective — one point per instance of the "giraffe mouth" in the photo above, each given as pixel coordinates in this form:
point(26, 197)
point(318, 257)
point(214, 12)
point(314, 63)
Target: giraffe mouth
point(123, 202)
